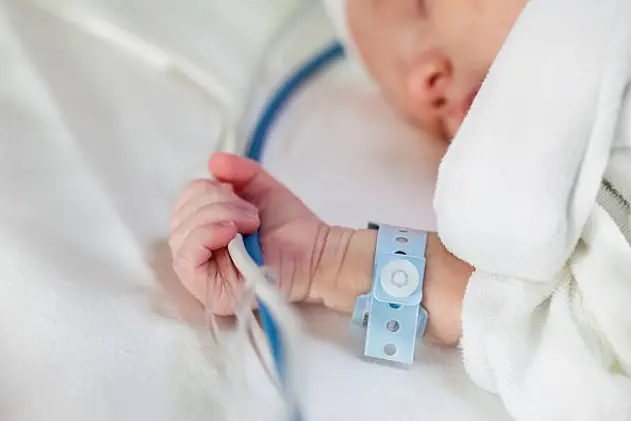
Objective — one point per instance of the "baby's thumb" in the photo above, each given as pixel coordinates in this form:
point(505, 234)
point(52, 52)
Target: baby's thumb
point(247, 177)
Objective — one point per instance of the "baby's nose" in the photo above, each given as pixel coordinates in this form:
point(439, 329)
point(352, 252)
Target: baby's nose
point(429, 83)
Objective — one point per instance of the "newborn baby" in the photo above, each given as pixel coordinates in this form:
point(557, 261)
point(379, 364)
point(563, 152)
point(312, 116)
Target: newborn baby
point(530, 270)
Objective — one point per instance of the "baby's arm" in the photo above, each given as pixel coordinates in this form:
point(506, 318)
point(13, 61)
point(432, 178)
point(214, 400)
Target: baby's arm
point(345, 271)
point(311, 260)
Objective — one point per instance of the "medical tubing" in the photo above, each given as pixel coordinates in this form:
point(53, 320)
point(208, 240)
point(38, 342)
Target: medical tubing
point(286, 91)
point(154, 57)
point(265, 123)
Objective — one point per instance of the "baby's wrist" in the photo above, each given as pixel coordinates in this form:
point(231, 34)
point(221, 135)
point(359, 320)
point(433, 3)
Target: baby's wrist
point(446, 279)
point(344, 269)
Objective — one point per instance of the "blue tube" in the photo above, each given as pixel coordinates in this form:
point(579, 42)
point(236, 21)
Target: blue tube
point(286, 91)
point(270, 114)
point(252, 245)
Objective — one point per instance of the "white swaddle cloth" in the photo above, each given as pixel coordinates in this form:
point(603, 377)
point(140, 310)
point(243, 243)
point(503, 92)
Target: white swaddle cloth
point(546, 318)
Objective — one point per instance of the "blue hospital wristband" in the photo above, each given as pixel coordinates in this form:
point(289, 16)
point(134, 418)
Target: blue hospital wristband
point(391, 312)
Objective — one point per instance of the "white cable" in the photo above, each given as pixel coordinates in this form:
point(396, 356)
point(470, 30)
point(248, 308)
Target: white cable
point(160, 60)
point(286, 319)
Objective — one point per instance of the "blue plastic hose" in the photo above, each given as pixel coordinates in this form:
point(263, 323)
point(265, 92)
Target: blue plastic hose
point(286, 91)
point(265, 123)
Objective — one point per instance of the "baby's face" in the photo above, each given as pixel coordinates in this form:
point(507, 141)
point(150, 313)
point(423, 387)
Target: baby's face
point(431, 56)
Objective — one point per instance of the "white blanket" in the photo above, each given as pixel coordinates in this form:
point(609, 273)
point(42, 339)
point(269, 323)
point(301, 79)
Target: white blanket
point(546, 319)
point(93, 149)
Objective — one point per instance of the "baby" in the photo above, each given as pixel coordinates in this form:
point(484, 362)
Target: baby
point(530, 270)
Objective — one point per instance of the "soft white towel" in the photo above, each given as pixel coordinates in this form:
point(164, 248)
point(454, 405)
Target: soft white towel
point(546, 318)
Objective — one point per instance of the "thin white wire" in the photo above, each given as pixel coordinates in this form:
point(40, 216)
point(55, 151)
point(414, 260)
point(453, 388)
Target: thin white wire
point(219, 97)
point(256, 282)
point(160, 60)
point(287, 321)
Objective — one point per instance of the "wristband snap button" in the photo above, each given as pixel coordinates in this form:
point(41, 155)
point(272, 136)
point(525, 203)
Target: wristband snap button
point(399, 278)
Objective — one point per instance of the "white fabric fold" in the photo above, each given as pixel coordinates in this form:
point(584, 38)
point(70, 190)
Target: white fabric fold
point(545, 318)
point(525, 168)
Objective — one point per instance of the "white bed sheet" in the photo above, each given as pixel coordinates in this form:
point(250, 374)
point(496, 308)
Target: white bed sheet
point(93, 149)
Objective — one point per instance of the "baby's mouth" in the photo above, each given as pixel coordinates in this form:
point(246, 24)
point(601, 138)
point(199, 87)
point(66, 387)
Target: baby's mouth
point(453, 121)
point(470, 100)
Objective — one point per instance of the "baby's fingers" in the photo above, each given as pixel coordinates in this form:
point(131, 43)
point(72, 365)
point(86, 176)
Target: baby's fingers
point(201, 187)
point(240, 214)
point(198, 194)
point(190, 259)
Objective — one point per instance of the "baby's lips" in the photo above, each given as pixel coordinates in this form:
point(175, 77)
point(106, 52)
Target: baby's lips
point(470, 100)
point(459, 112)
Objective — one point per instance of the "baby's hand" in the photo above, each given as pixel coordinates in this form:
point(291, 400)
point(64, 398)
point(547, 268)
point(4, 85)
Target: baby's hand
point(209, 214)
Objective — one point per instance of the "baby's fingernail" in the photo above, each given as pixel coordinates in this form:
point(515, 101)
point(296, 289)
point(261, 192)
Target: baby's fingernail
point(226, 224)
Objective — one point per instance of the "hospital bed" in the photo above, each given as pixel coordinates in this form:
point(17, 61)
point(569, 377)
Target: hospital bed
point(94, 147)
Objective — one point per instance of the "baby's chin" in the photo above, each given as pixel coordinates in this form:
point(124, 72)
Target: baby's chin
point(445, 127)
point(436, 128)
point(451, 128)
